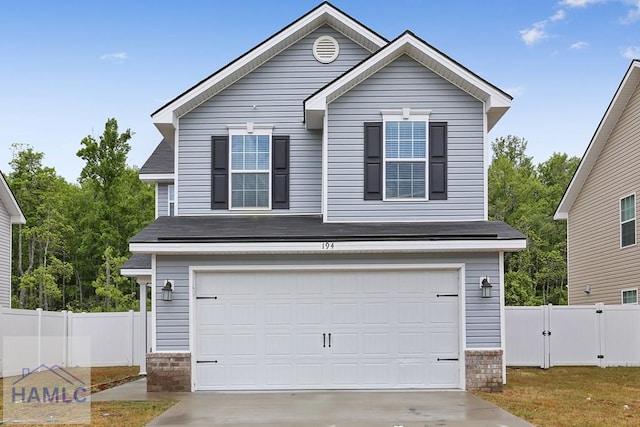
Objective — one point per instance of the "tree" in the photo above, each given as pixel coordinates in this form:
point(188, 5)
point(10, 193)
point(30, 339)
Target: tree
point(525, 196)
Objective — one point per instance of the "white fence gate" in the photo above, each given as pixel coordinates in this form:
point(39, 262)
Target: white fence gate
point(108, 339)
point(597, 335)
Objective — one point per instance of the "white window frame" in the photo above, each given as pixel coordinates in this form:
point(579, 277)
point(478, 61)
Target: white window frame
point(635, 216)
point(250, 128)
point(405, 115)
point(171, 200)
point(628, 290)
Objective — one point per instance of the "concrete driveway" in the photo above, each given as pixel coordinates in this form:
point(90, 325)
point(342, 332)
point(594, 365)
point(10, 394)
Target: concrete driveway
point(336, 409)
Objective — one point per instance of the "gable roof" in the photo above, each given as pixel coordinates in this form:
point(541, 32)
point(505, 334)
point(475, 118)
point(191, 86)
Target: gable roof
point(497, 102)
point(159, 166)
point(165, 118)
point(10, 203)
point(600, 137)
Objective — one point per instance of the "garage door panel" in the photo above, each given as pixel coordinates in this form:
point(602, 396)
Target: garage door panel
point(266, 330)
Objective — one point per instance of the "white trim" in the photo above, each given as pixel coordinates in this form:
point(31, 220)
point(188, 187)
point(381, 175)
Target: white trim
point(462, 318)
point(10, 203)
point(622, 291)
point(157, 208)
point(325, 169)
point(459, 267)
point(402, 220)
point(167, 116)
point(169, 201)
point(247, 129)
point(336, 246)
point(405, 115)
point(156, 177)
point(600, 138)
point(172, 351)
point(620, 222)
point(482, 348)
point(176, 186)
point(503, 333)
point(154, 306)
point(486, 162)
point(135, 272)
point(192, 320)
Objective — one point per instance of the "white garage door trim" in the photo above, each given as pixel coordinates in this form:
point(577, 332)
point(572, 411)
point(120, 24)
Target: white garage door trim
point(460, 267)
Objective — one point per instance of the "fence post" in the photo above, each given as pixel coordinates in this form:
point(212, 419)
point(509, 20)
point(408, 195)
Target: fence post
point(131, 337)
point(70, 340)
point(1, 340)
point(39, 312)
point(65, 338)
point(142, 341)
point(600, 340)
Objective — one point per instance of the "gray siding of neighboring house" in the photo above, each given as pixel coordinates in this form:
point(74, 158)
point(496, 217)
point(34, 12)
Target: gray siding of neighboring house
point(5, 257)
point(406, 83)
point(594, 255)
point(482, 315)
point(277, 89)
point(162, 201)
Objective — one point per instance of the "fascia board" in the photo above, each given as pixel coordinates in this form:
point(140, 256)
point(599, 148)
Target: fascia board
point(337, 247)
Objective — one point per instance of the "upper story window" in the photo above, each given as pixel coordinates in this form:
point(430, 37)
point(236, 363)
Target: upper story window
point(171, 200)
point(250, 171)
point(405, 154)
point(630, 296)
point(628, 221)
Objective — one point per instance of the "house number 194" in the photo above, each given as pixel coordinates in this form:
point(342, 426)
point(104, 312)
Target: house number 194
point(327, 245)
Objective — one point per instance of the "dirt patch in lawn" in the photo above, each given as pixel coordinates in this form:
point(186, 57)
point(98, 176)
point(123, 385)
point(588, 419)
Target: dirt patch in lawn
point(117, 413)
point(572, 396)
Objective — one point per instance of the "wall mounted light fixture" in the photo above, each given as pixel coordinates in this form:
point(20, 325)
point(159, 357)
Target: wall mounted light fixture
point(485, 287)
point(167, 290)
point(587, 289)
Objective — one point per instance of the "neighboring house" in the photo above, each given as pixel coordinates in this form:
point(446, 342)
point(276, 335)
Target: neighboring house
point(329, 230)
point(601, 205)
point(10, 213)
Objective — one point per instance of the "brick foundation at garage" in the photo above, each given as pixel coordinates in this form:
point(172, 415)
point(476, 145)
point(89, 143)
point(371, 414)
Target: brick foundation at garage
point(168, 372)
point(484, 370)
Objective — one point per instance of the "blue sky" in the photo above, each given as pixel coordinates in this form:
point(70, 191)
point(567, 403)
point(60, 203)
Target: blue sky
point(68, 66)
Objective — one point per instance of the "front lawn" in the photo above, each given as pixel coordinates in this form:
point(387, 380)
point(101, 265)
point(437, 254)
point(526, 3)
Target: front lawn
point(572, 396)
point(108, 414)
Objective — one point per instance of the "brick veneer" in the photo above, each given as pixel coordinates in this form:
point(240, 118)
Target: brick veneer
point(168, 372)
point(484, 370)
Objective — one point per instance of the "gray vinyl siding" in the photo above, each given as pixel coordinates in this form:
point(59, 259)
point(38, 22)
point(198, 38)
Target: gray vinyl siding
point(277, 89)
point(482, 315)
point(406, 83)
point(5, 257)
point(594, 253)
point(163, 199)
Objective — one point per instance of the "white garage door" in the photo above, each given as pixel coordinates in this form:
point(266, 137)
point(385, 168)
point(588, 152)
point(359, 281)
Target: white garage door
point(266, 330)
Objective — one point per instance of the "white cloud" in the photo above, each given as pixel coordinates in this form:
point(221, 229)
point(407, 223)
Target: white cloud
point(558, 16)
point(631, 52)
point(116, 57)
point(579, 45)
point(580, 3)
point(534, 34)
point(633, 14)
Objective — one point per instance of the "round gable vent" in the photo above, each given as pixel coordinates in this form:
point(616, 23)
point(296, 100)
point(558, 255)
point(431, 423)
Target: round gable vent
point(326, 49)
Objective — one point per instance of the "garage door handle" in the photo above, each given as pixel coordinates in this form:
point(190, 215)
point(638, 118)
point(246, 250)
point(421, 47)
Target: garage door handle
point(324, 340)
point(447, 360)
point(329, 340)
point(206, 361)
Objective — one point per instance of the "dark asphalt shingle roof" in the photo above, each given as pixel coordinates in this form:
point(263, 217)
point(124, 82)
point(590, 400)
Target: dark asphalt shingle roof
point(160, 161)
point(282, 228)
point(138, 262)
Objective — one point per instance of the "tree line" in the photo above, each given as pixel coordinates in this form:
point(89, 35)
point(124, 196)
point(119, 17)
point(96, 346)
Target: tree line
point(69, 253)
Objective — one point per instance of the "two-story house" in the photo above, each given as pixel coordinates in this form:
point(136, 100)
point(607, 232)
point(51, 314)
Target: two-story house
point(600, 205)
point(322, 219)
point(10, 213)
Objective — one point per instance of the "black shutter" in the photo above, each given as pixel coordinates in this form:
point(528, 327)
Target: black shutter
point(280, 172)
point(438, 161)
point(220, 172)
point(373, 161)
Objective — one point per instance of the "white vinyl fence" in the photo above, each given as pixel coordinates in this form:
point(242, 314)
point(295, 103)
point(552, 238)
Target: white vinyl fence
point(70, 339)
point(596, 335)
